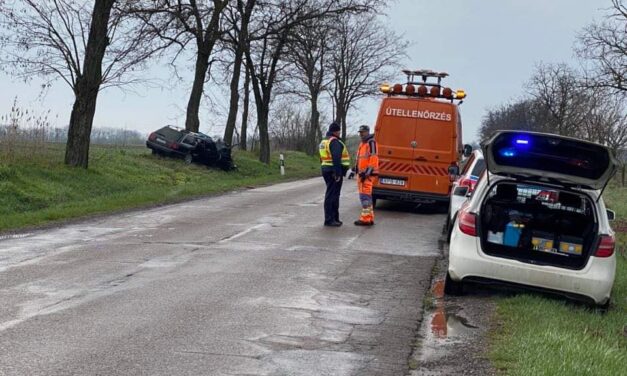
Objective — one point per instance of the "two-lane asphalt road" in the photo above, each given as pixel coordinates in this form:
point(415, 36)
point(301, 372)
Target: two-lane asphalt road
point(248, 283)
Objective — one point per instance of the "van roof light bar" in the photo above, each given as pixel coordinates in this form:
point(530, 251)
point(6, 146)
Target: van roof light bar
point(416, 87)
point(424, 74)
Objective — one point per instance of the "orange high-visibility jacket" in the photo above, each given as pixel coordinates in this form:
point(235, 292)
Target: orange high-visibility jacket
point(367, 158)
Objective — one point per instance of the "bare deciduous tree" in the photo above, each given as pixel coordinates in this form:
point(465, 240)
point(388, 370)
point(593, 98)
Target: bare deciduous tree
point(179, 23)
point(289, 128)
point(606, 122)
point(557, 90)
point(268, 37)
point(364, 54)
point(87, 46)
point(522, 115)
point(308, 49)
point(237, 37)
point(603, 46)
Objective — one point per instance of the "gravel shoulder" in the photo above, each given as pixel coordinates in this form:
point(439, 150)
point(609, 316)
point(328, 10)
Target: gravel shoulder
point(453, 336)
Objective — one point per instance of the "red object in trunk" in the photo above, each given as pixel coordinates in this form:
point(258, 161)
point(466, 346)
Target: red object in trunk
point(468, 223)
point(606, 246)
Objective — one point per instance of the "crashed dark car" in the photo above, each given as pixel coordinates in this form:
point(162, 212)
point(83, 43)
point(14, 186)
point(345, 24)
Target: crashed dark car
point(193, 147)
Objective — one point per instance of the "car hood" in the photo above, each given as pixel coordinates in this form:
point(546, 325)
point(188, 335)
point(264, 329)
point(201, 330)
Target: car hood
point(549, 158)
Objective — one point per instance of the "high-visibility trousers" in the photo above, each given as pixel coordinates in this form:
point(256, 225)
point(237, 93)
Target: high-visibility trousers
point(365, 197)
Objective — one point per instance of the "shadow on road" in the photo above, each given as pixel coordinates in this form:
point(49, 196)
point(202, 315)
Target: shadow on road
point(413, 208)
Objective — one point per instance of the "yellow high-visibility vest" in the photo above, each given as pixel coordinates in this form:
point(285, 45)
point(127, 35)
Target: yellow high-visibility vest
point(325, 153)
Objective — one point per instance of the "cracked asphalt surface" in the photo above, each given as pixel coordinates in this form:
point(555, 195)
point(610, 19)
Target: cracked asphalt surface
point(248, 283)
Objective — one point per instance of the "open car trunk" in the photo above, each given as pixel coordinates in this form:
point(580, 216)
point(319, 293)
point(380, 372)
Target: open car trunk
point(538, 224)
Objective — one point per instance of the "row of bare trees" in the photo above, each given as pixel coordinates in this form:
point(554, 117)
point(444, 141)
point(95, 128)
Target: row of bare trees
point(556, 102)
point(588, 103)
point(306, 48)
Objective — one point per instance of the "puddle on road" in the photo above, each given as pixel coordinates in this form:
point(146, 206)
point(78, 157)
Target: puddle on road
point(444, 325)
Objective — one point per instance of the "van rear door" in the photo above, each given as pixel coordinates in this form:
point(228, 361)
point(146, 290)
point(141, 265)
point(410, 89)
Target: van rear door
point(436, 146)
point(396, 135)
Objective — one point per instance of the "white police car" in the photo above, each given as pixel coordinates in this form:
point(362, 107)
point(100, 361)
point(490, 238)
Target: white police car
point(509, 232)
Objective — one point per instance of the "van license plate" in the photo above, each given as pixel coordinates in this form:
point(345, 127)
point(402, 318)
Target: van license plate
point(389, 181)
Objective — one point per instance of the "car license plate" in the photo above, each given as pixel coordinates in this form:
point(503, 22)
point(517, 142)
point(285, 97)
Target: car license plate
point(389, 181)
point(161, 141)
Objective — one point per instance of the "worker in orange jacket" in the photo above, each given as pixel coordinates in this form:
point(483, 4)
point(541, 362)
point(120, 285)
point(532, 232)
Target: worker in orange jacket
point(366, 169)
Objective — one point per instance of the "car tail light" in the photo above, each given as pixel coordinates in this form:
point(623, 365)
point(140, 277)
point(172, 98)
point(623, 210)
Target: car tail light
point(152, 136)
point(466, 182)
point(174, 145)
point(605, 247)
point(468, 223)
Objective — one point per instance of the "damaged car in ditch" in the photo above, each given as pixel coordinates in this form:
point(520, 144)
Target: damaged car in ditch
point(191, 147)
point(537, 220)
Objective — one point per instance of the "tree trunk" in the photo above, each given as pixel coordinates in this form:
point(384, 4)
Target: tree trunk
point(244, 129)
point(341, 118)
point(264, 138)
point(237, 67)
point(234, 101)
point(87, 87)
point(314, 126)
point(192, 122)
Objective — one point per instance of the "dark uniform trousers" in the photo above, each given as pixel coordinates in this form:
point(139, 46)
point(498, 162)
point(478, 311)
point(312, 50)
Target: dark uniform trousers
point(331, 197)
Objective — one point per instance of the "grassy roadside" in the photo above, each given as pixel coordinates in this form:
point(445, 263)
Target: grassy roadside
point(37, 188)
point(537, 336)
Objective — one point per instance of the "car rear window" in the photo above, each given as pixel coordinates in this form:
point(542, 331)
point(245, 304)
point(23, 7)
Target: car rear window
point(169, 133)
point(479, 168)
point(551, 154)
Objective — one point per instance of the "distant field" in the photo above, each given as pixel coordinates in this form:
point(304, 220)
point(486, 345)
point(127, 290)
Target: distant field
point(37, 188)
point(538, 336)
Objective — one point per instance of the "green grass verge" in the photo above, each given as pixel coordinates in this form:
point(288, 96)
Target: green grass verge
point(37, 188)
point(539, 336)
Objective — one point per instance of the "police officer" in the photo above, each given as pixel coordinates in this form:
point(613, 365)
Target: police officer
point(335, 162)
point(366, 168)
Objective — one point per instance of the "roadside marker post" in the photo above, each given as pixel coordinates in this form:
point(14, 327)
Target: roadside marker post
point(282, 163)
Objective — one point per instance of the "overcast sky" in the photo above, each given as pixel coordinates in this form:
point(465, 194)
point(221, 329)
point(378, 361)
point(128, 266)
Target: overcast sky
point(489, 48)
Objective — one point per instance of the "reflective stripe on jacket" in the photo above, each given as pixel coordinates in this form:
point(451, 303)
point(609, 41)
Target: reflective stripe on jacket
point(326, 159)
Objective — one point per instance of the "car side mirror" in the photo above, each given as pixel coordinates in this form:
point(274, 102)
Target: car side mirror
point(611, 214)
point(453, 172)
point(467, 150)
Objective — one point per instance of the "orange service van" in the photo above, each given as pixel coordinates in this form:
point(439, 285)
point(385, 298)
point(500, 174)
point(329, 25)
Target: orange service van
point(419, 137)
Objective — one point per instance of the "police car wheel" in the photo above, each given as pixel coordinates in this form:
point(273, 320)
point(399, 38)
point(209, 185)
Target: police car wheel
point(454, 288)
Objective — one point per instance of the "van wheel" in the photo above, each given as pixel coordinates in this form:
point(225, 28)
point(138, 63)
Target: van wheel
point(188, 158)
point(454, 288)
